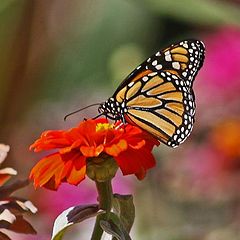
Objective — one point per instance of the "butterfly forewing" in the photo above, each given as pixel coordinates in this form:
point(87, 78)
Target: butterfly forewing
point(183, 59)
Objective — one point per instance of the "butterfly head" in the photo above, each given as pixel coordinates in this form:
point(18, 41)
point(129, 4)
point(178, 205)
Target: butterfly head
point(111, 109)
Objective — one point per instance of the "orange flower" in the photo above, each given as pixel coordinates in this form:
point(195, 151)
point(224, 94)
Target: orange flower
point(130, 146)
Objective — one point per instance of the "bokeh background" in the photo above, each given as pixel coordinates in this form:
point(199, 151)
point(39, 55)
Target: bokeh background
point(60, 55)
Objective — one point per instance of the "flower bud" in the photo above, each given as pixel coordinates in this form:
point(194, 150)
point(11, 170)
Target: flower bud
point(101, 168)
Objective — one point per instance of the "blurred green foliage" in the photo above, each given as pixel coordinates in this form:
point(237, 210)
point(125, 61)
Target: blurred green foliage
point(204, 12)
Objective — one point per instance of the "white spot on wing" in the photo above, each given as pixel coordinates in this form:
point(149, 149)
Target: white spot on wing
point(168, 58)
point(159, 66)
point(176, 65)
point(152, 74)
point(184, 74)
point(130, 84)
point(154, 63)
point(145, 78)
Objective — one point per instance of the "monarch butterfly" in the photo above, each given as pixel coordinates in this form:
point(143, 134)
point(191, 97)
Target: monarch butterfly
point(158, 96)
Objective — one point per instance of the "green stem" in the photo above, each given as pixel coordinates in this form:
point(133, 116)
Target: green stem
point(105, 197)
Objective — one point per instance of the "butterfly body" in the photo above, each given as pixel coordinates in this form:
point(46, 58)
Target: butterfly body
point(157, 96)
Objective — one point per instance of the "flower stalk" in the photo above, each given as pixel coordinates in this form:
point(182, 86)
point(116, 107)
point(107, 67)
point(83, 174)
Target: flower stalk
point(105, 197)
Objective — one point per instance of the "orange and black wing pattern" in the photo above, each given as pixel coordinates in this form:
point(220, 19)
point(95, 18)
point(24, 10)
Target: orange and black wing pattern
point(161, 104)
point(157, 96)
point(183, 59)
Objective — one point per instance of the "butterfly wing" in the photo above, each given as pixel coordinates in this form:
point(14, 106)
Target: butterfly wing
point(158, 97)
point(183, 59)
point(161, 104)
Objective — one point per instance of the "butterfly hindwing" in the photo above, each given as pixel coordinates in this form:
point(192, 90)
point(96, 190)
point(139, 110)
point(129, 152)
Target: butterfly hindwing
point(161, 104)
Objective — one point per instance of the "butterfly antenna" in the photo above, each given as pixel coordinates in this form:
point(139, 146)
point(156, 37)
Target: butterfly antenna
point(79, 110)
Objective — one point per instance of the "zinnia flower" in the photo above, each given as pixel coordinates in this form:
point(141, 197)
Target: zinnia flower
point(93, 139)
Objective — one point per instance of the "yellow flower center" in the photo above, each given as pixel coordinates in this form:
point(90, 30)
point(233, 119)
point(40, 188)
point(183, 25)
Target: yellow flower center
point(104, 126)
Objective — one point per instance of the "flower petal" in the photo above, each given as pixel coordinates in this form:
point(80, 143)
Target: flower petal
point(138, 144)
point(115, 149)
point(76, 176)
point(50, 140)
point(75, 144)
point(75, 168)
point(50, 167)
point(135, 161)
point(92, 151)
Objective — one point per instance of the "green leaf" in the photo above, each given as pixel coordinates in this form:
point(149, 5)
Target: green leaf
point(125, 210)
point(72, 216)
point(116, 230)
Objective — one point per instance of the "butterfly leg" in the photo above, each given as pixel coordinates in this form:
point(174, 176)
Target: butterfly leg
point(120, 125)
point(97, 116)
